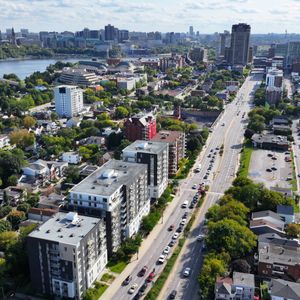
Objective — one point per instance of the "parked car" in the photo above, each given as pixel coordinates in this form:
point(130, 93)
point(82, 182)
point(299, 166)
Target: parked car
point(183, 221)
point(185, 214)
point(200, 237)
point(127, 280)
point(143, 288)
point(143, 271)
point(179, 229)
point(194, 186)
point(172, 243)
point(175, 236)
point(268, 170)
point(167, 250)
point(162, 259)
point(151, 276)
point(192, 205)
point(173, 294)
point(187, 272)
point(171, 228)
point(132, 288)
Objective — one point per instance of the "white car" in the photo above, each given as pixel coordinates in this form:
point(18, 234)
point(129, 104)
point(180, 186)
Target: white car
point(162, 258)
point(167, 250)
point(183, 221)
point(200, 237)
point(187, 272)
point(194, 186)
point(132, 288)
point(175, 236)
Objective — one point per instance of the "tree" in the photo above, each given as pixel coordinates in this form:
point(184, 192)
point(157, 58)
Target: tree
point(22, 138)
point(72, 174)
point(121, 112)
point(229, 236)
point(7, 240)
point(293, 230)
point(193, 144)
point(4, 226)
point(241, 265)
point(213, 266)
point(12, 180)
point(24, 207)
point(33, 200)
point(5, 210)
point(15, 217)
point(29, 122)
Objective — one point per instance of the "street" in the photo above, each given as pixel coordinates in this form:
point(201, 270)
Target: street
point(228, 132)
point(231, 135)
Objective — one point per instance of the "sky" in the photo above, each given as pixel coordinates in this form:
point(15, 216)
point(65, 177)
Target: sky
point(206, 16)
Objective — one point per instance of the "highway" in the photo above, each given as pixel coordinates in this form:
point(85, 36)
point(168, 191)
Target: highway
point(228, 131)
point(219, 178)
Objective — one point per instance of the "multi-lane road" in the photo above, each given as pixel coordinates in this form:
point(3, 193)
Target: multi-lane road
point(228, 131)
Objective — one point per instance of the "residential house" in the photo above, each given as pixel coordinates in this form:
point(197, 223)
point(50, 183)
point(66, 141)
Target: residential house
point(97, 140)
point(286, 212)
point(14, 195)
point(284, 290)
point(52, 201)
point(41, 214)
point(73, 122)
point(4, 141)
point(71, 157)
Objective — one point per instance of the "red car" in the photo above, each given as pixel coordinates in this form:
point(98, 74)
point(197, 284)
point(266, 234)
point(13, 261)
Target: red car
point(143, 271)
point(151, 277)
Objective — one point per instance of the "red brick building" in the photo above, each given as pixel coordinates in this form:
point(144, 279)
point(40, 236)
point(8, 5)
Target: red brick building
point(140, 127)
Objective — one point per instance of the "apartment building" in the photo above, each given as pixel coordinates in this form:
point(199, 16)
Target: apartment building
point(78, 76)
point(176, 142)
point(66, 255)
point(68, 100)
point(156, 156)
point(117, 193)
point(140, 127)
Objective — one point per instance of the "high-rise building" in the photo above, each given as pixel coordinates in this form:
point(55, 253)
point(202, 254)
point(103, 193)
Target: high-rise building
point(68, 100)
point(109, 32)
point(156, 156)
point(191, 31)
point(140, 127)
point(123, 35)
point(116, 192)
point(66, 255)
point(224, 37)
point(198, 54)
point(239, 47)
point(274, 78)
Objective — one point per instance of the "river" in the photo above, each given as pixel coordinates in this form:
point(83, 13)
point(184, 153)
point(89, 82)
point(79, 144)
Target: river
point(23, 68)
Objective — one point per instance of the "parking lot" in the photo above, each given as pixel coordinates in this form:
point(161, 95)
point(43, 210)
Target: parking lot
point(270, 168)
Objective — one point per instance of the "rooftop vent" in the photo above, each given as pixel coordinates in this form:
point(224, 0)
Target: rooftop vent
point(59, 230)
point(48, 231)
point(71, 235)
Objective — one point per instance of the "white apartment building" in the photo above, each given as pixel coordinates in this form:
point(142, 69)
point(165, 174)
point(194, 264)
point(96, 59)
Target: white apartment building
point(68, 100)
point(116, 192)
point(156, 156)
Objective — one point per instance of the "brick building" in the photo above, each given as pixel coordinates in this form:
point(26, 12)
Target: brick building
point(140, 127)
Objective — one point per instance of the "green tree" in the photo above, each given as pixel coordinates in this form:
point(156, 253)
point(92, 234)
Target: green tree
point(29, 122)
point(4, 226)
point(15, 217)
point(229, 236)
point(22, 138)
point(7, 239)
point(121, 112)
point(72, 174)
point(12, 180)
point(293, 230)
point(24, 207)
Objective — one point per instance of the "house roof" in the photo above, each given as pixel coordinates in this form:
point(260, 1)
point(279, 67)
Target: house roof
point(264, 223)
point(285, 210)
point(285, 289)
point(265, 213)
point(275, 239)
point(245, 279)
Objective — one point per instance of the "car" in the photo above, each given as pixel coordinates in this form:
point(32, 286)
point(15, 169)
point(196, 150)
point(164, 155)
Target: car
point(200, 237)
point(212, 161)
point(289, 178)
point(127, 280)
point(211, 150)
point(171, 227)
point(288, 152)
point(143, 271)
point(179, 229)
point(192, 205)
point(215, 153)
point(172, 243)
point(205, 177)
point(194, 201)
point(150, 277)
point(274, 168)
point(183, 221)
point(132, 288)
point(209, 155)
point(269, 170)
point(217, 148)
point(137, 296)
point(162, 259)
point(175, 236)
point(270, 155)
point(185, 214)
point(274, 157)
point(223, 124)
point(194, 186)
point(184, 204)
point(167, 250)
point(187, 272)
point(299, 175)
point(173, 294)
point(143, 288)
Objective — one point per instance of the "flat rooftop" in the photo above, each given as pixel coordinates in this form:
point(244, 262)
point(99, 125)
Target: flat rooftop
point(145, 146)
point(67, 228)
point(243, 279)
point(270, 138)
point(109, 177)
point(167, 136)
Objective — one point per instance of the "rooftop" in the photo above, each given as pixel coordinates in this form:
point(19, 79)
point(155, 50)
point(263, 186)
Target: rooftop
point(109, 178)
point(167, 136)
point(145, 146)
point(285, 210)
point(263, 223)
point(264, 214)
point(68, 228)
point(269, 138)
point(275, 239)
point(243, 279)
point(285, 289)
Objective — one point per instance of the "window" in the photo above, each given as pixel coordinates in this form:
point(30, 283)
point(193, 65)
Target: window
point(66, 249)
point(90, 198)
point(105, 200)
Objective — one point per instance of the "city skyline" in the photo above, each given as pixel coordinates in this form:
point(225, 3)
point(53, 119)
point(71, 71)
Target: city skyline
point(269, 16)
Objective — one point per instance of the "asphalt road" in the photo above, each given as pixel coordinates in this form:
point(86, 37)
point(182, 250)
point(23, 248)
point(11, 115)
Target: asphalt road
point(219, 178)
point(228, 131)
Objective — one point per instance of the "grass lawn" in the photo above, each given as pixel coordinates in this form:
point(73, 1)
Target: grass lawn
point(107, 278)
point(245, 159)
point(117, 267)
point(96, 292)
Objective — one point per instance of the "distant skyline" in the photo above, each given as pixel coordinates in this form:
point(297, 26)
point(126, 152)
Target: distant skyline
point(206, 16)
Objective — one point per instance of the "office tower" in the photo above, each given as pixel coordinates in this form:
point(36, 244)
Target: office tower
point(274, 78)
point(176, 142)
point(116, 192)
point(155, 156)
point(191, 31)
point(140, 127)
point(224, 37)
point(66, 255)
point(198, 54)
point(109, 32)
point(24, 32)
point(68, 100)
point(239, 47)
point(123, 35)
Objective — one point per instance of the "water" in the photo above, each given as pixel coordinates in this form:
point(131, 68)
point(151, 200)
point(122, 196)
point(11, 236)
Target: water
point(23, 68)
